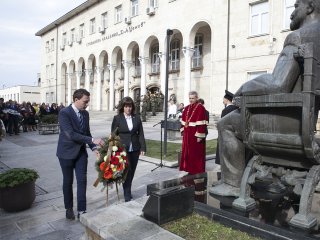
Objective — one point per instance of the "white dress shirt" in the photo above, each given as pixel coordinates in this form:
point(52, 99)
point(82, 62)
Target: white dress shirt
point(130, 126)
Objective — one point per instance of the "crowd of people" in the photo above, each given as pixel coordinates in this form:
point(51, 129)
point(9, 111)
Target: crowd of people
point(16, 117)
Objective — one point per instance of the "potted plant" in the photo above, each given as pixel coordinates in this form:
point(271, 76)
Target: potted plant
point(17, 189)
point(48, 124)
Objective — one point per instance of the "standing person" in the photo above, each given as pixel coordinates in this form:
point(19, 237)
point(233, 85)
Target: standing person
point(144, 108)
point(207, 113)
point(228, 108)
point(180, 110)
point(71, 150)
point(13, 118)
point(194, 122)
point(172, 110)
point(131, 135)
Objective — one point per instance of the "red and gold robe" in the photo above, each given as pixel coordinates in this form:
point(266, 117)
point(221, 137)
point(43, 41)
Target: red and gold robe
point(194, 123)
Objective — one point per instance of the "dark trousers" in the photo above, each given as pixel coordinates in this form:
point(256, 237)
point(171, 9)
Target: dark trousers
point(80, 166)
point(133, 158)
point(13, 122)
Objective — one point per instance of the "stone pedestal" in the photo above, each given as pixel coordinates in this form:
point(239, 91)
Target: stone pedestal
point(122, 221)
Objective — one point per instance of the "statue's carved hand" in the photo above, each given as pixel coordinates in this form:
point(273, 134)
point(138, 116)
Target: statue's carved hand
point(300, 52)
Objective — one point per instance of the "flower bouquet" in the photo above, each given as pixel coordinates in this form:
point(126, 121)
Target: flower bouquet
point(112, 165)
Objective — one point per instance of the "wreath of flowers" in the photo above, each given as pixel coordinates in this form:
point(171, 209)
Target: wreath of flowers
point(112, 166)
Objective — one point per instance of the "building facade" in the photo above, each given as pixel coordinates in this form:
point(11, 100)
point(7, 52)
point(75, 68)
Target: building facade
point(118, 48)
point(21, 94)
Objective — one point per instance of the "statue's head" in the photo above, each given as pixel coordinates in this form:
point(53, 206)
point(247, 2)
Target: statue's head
point(304, 10)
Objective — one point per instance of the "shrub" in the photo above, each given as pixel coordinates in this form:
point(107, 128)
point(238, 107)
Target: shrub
point(49, 119)
point(17, 176)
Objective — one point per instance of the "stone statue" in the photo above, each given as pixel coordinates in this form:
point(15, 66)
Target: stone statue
point(285, 78)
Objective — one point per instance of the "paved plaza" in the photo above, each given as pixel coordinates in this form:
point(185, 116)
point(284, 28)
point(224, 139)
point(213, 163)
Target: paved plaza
point(46, 218)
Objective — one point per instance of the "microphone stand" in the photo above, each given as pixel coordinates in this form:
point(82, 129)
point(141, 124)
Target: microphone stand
point(160, 164)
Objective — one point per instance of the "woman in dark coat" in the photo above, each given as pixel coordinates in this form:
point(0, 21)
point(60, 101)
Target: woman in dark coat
point(132, 137)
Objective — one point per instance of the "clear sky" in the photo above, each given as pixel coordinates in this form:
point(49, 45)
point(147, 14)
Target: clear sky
point(19, 47)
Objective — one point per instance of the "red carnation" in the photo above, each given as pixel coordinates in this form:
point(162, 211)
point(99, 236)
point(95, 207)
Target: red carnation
point(102, 166)
point(114, 160)
point(108, 174)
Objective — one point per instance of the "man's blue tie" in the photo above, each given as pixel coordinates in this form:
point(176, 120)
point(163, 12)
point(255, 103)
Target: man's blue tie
point(81, 121)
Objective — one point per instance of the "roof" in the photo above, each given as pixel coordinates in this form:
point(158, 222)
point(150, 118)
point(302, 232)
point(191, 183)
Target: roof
point(87, 4)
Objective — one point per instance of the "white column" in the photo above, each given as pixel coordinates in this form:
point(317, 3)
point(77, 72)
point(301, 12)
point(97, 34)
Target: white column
point(99, 71)
point(188, 53)
point(87, 80)
point(78, 74)
point(143, 62)
point(111, 86)
point(126, 65)
point(162, 57)
point(69, 88)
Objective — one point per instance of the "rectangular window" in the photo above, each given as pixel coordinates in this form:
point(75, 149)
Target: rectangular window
point(72, 35)
point(52, 71)
point(153, 3)
point(47, 97)
point(47, 72)
point(134, 8)
point(288, 9)
point(104, 20)
point(175, 55)
point(259, 18)
point(52, 44)
point(81, 31)
point(52, 100)
point(252, 75)
point(92, 26)
point(155, 61)
point(64, 39)
point(47, 47)
point(118, 12)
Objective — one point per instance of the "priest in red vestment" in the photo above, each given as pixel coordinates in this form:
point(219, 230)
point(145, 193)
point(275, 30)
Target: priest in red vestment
point(194, 122)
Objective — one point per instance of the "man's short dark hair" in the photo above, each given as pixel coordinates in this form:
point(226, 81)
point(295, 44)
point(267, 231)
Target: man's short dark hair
point(200, 100)
point(79, 93)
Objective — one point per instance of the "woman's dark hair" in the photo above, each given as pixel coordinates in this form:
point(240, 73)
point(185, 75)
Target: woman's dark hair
point(126, 101)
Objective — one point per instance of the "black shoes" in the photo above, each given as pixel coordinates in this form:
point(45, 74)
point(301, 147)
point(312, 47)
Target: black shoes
point(70, 214)
point(128, 199)
point(80, 213)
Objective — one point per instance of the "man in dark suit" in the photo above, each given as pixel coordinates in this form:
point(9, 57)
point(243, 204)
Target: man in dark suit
point(228, 108)
point(71, 150)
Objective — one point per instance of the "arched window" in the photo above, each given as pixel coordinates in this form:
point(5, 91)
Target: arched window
point(137, 68)
point(136, 94)
point(155, 62)
point(121, 95)
point(175, 55)
point(198, 51)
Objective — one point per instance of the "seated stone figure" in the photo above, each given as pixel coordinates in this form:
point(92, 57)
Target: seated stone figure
point(305, 23)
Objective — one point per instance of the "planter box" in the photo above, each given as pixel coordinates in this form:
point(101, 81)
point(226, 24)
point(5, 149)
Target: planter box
point(48, 128)
point(18, 198)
